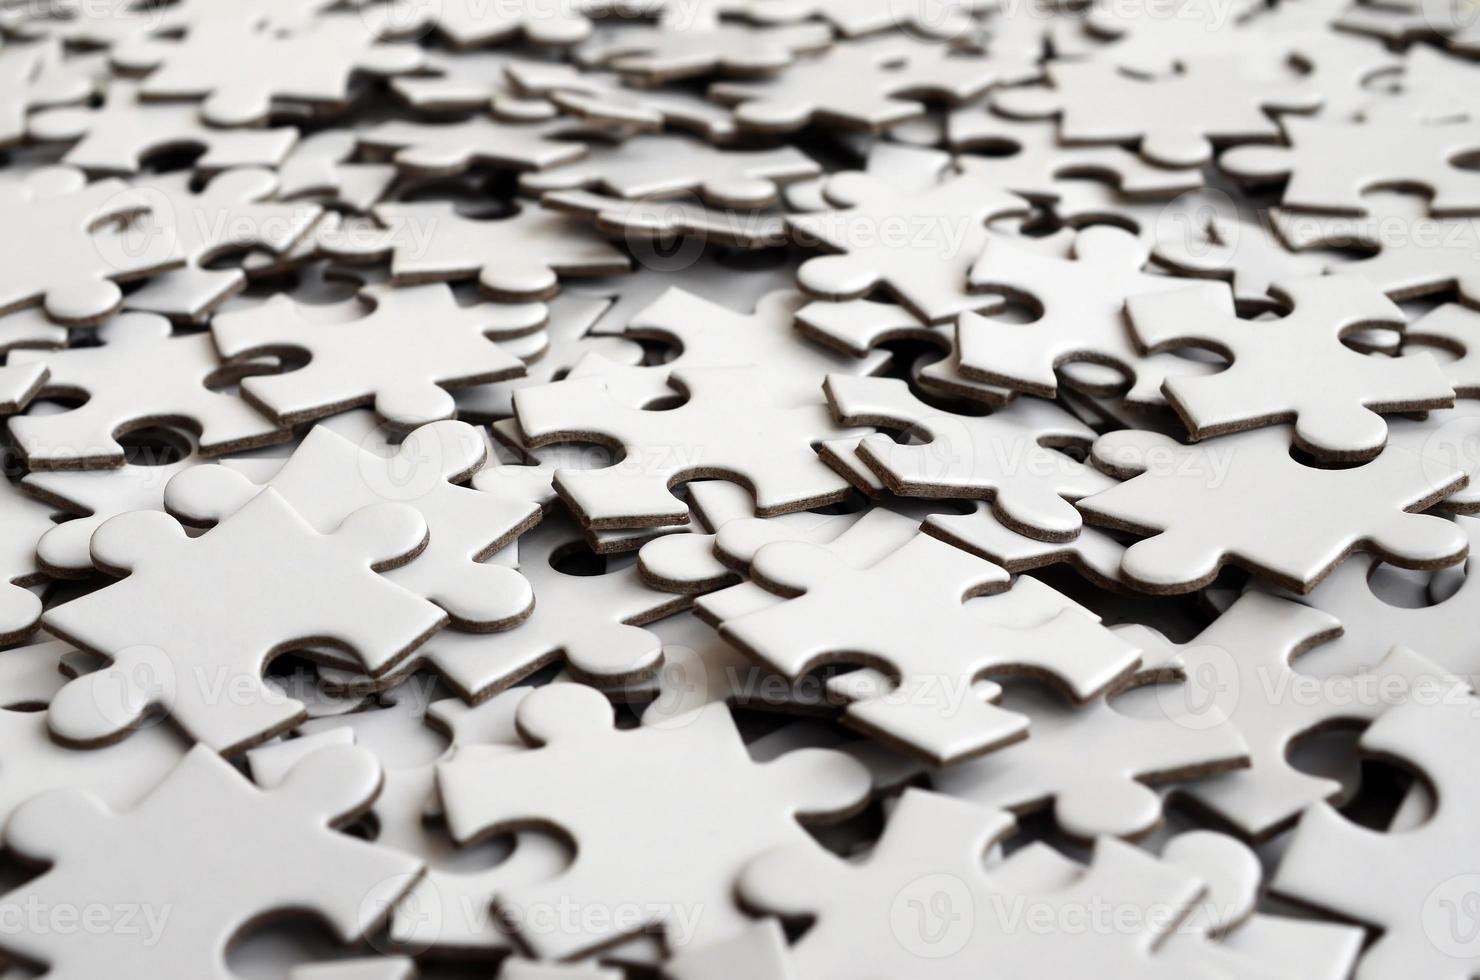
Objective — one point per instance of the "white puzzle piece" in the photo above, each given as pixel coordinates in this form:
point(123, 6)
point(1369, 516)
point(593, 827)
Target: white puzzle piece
point(165, 854)
point(412, 345)
point(934, 657)
point(1007, 457)
point(328, 478)
point(1265, 384)
point(141, 374)
point(1241, 498)
point(873, 917)
point(520, 257)
point(768, 449)
point(70, 261)
point(171, 646)
point(693, 874)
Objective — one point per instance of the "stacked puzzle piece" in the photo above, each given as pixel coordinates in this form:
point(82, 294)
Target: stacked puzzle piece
point(739, 489)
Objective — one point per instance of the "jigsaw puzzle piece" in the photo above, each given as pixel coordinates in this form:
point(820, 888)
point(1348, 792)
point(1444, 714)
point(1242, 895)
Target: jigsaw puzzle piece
point(74, 254)
point(1268, 381)
point(142, 374)
point(924, 264)
point(731, 427)
point(591, 622)
point(1007, 457)
point(925, 894)
point(224, 62)
point(125, 131)
point(1242, 498)
point(1328, 164)
point(164, 859)
point(519, 257)
point(173, 645)
point(569, 725)
point(1408, 885)
point(412, 345)
point(926, 706)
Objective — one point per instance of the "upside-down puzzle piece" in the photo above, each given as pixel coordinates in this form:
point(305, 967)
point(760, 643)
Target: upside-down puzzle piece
point(172, 642)
point(743, 810)
point(1243, 499)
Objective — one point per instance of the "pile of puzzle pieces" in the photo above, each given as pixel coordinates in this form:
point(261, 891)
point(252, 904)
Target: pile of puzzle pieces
point(739, 489)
